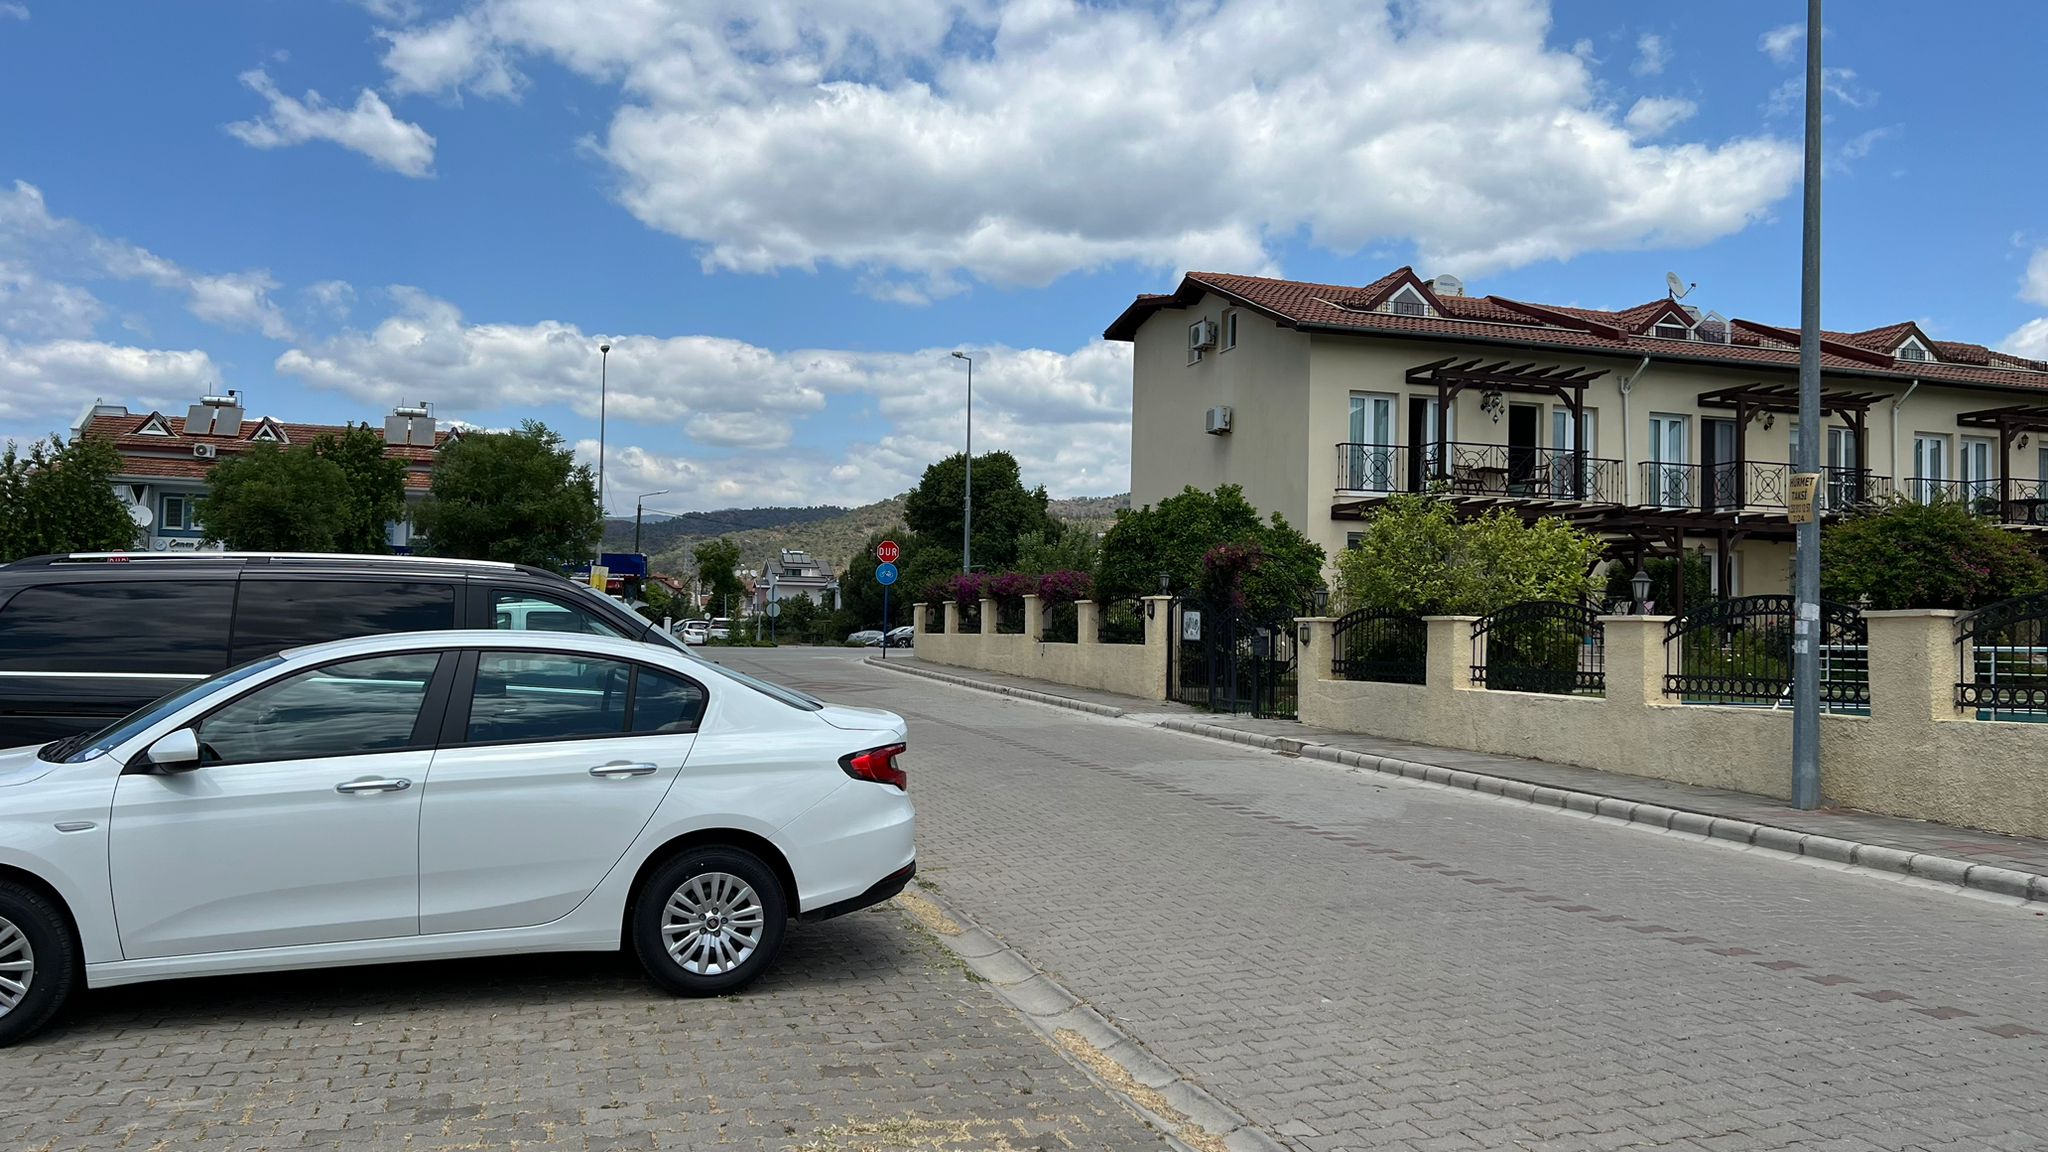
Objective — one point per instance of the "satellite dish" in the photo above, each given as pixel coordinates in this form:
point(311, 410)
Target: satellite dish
point(141, 514)
point(1679, 288)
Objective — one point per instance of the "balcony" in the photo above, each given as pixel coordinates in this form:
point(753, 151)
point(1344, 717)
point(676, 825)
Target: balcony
point(2023, 502)
point(1751, 486)
point(1466, 469)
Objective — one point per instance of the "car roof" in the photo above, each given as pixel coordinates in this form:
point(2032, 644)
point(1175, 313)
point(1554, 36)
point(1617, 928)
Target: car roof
point(595, 645)
point(209, 561)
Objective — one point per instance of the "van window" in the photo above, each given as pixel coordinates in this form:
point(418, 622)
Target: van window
point(164, 627)
point(273, 615)
point(528, 612)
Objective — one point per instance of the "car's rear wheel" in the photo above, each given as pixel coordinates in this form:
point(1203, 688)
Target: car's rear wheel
point(709, 921)
point(38, 963)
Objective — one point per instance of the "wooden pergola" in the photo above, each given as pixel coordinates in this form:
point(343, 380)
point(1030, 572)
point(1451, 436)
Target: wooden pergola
point(2011, 422)
point(1450, 376)
point(1748, 401)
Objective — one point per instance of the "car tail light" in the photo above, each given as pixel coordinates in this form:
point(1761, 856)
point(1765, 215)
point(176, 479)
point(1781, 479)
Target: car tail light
point(877, 765)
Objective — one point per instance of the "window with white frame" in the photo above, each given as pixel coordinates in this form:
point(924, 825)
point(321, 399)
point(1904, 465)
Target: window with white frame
point(1976, 469)
point(1564, 439)
point(1929, 481)
point(1408, 302)
point(1229, 337)
point(1670, 480)
point(175, 511)
point(1914, 350)
point(1369, 461)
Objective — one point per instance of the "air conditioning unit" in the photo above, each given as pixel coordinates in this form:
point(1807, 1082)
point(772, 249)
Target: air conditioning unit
point(1201, 335)
point(205, 451)
point(1218, 423)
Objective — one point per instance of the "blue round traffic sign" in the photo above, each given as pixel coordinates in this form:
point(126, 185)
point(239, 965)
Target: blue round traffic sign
point(885, 574)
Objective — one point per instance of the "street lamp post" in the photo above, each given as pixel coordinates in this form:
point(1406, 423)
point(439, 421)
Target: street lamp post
point(1806, 629)
point(967, 501)
point(638, 508)
point(604, 363)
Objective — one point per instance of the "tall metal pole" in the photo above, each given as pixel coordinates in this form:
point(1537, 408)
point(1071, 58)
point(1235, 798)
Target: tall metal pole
point(967, 500)
point(604, 363)
point(1806, 628)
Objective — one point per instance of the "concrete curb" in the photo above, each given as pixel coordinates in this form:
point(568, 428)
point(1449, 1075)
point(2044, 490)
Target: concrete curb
point(1769, 837)
point(1176, 1107)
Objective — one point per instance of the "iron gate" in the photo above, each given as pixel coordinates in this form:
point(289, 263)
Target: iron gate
point(1229, 662)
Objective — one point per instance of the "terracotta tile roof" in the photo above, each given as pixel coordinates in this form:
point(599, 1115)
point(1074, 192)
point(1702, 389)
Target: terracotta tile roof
point(1497, 320)
point(169, 457)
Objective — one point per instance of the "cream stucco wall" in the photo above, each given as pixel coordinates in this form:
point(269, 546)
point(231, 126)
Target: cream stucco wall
point(1130, 669)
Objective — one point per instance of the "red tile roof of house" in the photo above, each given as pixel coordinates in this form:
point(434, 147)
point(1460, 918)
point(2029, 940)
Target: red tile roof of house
point(1498, 320)
point(169, 457)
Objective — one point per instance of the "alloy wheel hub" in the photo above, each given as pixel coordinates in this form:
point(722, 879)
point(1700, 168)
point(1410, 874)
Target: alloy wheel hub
point(712, 923)
point(17, 966)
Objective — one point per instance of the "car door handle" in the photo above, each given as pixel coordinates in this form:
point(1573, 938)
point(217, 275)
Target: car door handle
point(620, 769)
point(353, 787)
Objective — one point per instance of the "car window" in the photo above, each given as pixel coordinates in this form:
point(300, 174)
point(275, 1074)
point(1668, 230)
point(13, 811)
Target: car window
point(272, 615)
point(84, 748)
point(344, 709)
point(531, 696)
point(665, 702)
point(134, 626)
point(527, 612)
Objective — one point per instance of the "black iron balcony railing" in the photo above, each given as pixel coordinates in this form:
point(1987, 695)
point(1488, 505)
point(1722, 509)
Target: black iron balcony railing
point(2008, 502)
point(1752, 484)
point(1466, 469)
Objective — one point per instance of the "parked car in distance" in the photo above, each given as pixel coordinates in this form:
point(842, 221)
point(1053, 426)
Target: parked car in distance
point(695, 631)
point(866, 637)
point(903, 637)
point(430, 795)
point(720, 628)
point(89, 637)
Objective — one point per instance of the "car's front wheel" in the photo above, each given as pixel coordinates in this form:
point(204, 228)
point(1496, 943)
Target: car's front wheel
point(709, 921)
point(38, 963)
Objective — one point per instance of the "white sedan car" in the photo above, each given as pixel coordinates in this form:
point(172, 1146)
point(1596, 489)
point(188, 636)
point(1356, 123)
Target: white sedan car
point(433, 795)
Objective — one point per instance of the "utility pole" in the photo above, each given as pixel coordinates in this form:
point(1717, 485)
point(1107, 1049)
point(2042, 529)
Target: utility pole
point(639, 506)
point(967, 501)
point(1806, 627)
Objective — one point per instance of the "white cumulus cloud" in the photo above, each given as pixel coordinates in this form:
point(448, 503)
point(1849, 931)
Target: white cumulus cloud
point(49, 383)
point(2034, 287)
point(1653, 116)
point(1782, 44)
point(1015, 141)
point(2029, 340)
point(33, 306)
point(1652, 53)
point(368, 128)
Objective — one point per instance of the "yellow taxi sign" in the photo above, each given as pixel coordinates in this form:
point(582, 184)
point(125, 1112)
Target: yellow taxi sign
point(1799, 497)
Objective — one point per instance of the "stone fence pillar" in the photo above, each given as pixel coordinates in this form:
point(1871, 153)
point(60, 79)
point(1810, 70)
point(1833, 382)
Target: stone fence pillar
point(1914, 665)
point(917, 617)
point(1034, 617)
point(1317, 636)
point(1449, 667)
point(1088, 620)
point(952, 618)
point(988, 616)
point(1633, 648)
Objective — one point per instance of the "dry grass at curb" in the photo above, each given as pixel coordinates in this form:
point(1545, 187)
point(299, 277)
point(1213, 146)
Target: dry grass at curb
point(910, 1134)
point(1112, 1073)
point(928, 914)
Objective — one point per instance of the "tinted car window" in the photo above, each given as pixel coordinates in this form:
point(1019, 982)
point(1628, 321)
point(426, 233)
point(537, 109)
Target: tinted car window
point(161, 626)
point(272, 615)
point(663, 702)
point(342, 709)
point(528, 696)
point(527, 612)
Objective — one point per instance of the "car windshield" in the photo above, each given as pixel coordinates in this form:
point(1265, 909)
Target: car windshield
point(77, 749)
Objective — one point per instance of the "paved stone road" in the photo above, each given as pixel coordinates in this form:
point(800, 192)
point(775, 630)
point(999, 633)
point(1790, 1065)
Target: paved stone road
point(867, 1038)
point(1356, 962)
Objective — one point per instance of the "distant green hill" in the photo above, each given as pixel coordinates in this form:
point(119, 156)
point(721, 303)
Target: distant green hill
point(829, 534)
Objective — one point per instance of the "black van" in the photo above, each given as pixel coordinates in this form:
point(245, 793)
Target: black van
point(87, 638)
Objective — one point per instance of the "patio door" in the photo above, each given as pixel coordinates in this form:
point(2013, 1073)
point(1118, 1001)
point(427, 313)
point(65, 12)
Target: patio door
point(1369, 452)
point(1845, 485)
point(1428, 458)
point(1564, 442)
point(1668, 473)
point(1523, 475)
point(1721, 481)
point(1978, 481)
point(1930, 467)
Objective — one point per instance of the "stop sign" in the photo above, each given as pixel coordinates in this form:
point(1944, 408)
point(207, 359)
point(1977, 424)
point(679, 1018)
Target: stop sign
point(887, 551)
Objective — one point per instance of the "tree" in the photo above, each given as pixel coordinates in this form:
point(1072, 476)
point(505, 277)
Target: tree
point(1174, 537)
point(60, 498)
point(1004, 510)
point(1071, 550)
point(513, 496)
point(1416, 556)
point(1699, 581)
point(273, 500)
point(718, 563)
point(1936, 555)
point(373, 487)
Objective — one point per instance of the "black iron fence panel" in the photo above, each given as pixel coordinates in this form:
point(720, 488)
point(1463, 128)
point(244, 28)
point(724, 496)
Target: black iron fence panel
point(1741, 651)
point(1380, 644)
point(935, 618)
point(1532, 472)
point(1730, 485)
point(1062, 622)
point(1226, 662)
point(970, 618)
point(1010, 617)
point(2002, 659)
point(1541, 646)
point(1372, 468)
point(1121, 622)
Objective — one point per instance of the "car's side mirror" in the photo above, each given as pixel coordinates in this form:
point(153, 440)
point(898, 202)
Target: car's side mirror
point(177, 752)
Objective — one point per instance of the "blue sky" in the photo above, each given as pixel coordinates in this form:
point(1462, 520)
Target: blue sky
point(784, 214)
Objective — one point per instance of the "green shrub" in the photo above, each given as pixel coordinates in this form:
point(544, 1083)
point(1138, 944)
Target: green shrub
point(1938, 555)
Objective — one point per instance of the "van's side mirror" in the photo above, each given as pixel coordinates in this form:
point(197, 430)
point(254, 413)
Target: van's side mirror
point(177, 752)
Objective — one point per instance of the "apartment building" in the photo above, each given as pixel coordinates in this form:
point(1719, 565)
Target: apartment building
point(1660, 427)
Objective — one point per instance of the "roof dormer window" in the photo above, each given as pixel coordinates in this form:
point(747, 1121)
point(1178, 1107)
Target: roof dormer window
point(156, 425)
point(1671, 330)
point(1407, 302)
point(1914, 350)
